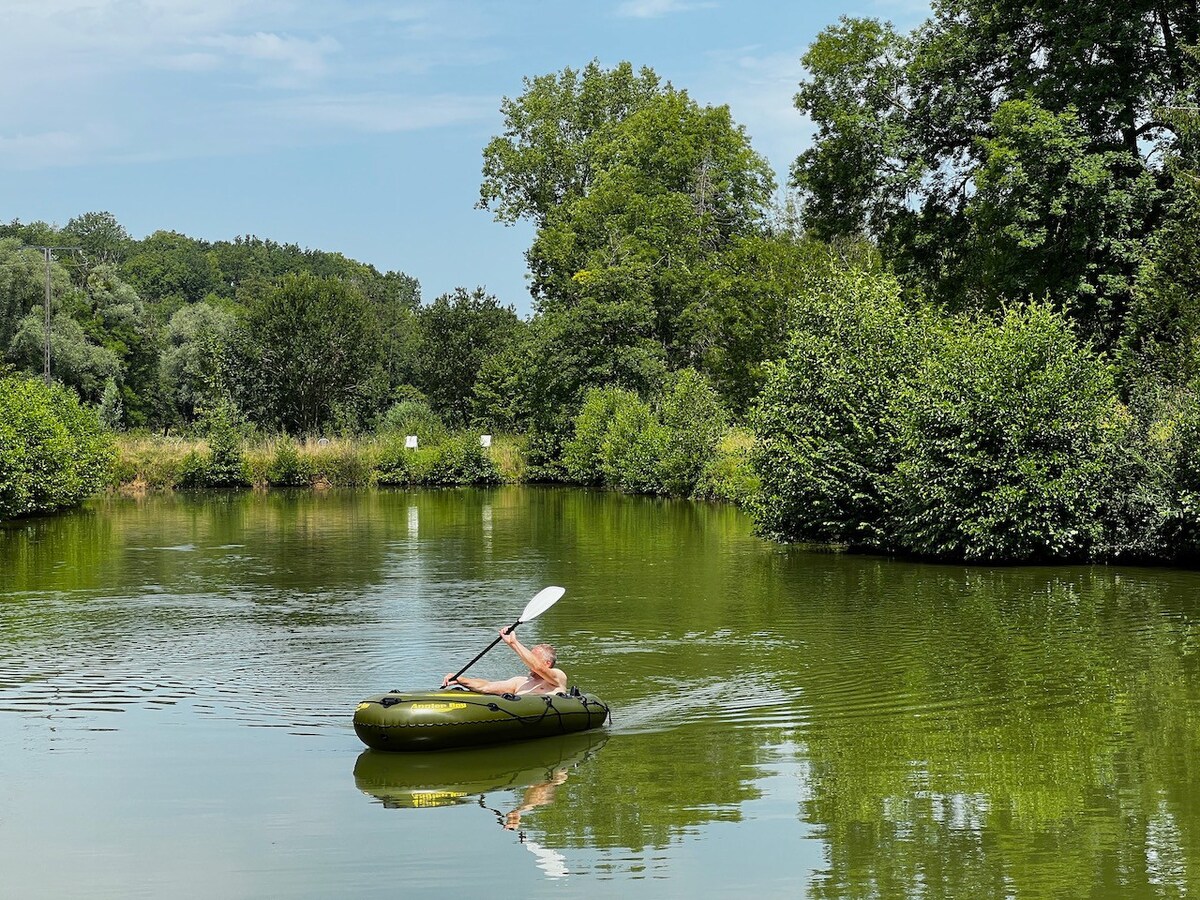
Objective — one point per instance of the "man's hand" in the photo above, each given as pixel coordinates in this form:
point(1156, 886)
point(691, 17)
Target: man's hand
point(509, 637)
point(449, 679)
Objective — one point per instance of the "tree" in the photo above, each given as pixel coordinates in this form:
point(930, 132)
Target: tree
point(458, 333)
point(195, 367)
point(74, 360)
point(826, 442)
point(103, 239)
point(312, 355)
point(111, 413)
point(926, 142)
point(171, 265)
point(637, 192)
point(552, 133)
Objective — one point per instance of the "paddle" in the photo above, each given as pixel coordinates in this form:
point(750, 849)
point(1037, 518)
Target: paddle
point(545, 599)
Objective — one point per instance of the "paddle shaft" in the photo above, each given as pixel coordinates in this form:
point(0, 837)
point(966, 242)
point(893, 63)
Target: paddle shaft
point(483, 652)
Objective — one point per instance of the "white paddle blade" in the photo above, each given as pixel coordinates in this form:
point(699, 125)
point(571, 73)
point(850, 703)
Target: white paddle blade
point(543, 601)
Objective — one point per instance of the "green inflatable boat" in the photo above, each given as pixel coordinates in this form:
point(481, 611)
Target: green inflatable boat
point(438, 720)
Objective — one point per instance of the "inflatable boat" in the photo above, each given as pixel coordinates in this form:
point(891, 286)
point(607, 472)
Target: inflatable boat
point(450, 777)
point(438, 720)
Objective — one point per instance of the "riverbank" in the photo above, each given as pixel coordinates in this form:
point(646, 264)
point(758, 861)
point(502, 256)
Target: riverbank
point(147, 463)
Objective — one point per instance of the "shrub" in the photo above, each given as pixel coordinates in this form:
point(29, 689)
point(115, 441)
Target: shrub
point(226, 465)
point(633, 447)
point(286, 469)
point(54, 453)
point(1005, 440)
point(413, 416)
point(825, 444)
point(582, 454)
point(694, 420)
point(729, 474)
point(461, 460)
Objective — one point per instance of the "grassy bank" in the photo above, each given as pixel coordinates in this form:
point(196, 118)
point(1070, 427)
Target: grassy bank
point(153, 463)
point(147, 463)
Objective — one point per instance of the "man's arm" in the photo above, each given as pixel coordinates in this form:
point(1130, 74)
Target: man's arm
point(531, 659)
point(483, 686)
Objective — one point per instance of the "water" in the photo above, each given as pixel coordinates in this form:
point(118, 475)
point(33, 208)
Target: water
point(177, 677)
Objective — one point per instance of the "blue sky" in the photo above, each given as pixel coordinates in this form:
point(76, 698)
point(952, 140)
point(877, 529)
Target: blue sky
point(350, 126)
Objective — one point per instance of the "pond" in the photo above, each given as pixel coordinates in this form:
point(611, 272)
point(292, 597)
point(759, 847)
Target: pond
point(178, 676)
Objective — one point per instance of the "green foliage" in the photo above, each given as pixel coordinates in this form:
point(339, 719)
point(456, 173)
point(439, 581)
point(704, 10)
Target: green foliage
point(1004, 442)
point(405, 417)
point(196, 363)
point(310, 347)
point(458, 334)
point(633, 448)
point(54, 453)
point(552, 134)
point(994, 152)
point(694, 420)
point(826, 444)
point(1041, 196)
point(456, 460)
point(103, 239)
point(225, 464)
point(110, 411)
point(729, 474)
point(286, 469)
point(461, 460)
point(74, 360)
point(582, 455)
point(1161, 342)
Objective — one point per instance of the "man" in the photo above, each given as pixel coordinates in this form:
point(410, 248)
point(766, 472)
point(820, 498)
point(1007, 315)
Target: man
point(543, 678)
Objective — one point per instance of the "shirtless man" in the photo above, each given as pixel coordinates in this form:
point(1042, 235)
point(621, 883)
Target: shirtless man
point(543, 678)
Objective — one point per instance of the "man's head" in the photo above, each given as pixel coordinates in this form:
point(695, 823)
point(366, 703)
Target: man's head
point(545, 653)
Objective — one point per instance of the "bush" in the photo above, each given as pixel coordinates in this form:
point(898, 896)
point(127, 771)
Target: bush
point(286, 469)
point(458, 460)
point(224, 466)
point(54, 453)
point(825, 442)
point(695, 420)
point(1006, 438)
point(582, 454)
point(729, 474)
point(461, 460)
point(633, 447)
point(412, 416)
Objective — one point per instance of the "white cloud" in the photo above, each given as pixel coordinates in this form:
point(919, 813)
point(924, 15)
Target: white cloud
point(285, 60)
point(47, 149)
point(759, 89)
point(653, 9)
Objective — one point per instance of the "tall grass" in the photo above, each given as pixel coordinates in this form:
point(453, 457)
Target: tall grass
point(154, 463)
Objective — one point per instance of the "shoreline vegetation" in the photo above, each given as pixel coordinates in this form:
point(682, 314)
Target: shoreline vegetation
point(971, 334)
point(145, 463)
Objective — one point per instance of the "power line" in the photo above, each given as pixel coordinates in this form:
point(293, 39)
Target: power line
point(46, 325)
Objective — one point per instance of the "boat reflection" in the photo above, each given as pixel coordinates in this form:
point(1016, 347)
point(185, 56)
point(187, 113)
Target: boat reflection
point(448, 777)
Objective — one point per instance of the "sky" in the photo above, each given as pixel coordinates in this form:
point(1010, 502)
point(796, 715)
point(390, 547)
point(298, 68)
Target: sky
point(354, 126)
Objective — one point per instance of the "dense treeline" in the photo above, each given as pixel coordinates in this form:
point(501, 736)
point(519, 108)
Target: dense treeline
point(972, 333)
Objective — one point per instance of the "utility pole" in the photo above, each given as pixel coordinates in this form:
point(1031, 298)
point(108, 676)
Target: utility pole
point(46, 324)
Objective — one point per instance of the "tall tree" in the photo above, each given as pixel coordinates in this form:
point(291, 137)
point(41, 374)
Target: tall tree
point(313, 355)
point(552, 132)
point(459, 332)
point(1050, 110)
point(637, 191)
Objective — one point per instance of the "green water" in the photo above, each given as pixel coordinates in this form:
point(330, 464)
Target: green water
point(177, 677)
